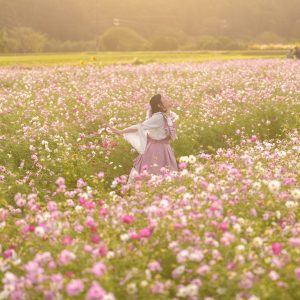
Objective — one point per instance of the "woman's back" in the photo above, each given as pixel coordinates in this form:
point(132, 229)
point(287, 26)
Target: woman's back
point(155, 126)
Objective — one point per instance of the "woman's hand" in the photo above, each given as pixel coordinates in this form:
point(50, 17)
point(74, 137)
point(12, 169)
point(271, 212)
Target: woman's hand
point(115, 130)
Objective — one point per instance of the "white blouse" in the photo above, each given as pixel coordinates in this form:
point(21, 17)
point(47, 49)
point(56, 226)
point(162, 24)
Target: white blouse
point(155, 128)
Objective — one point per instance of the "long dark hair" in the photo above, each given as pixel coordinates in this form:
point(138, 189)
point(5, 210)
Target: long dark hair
point(155, 102)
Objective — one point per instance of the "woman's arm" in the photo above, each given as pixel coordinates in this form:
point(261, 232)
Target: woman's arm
point(153, 122)
point(126, 130)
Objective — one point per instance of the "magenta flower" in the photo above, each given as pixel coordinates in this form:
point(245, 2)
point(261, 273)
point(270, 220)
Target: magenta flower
point(8, 253)
point(102, 250)
point(145, 232)
point(95, 238)
point(276, 248)
point(223, 226)
point(128, 219)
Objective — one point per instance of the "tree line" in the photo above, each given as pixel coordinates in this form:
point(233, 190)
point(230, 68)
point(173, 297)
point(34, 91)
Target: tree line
point(70, 25)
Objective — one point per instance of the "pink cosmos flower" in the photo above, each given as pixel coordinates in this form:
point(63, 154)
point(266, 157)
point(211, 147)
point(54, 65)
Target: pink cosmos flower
point(294, 242)
point(95, 292)
point(60, 181)
point(89, 205)
point(103, 211)
point(99, 269)
point(253, 212)
point(78, 228)
point(21, 202)
point(154, 266)
point(204, 269)
point(223, 226)
point(17, 295)
point(273, 275)
point(100, 175)
point(66, 257)
point(75, 287)
point(52, 206)
point(90, 222)
point(145, 232)
point(134, 235)
point(182, 165)
point(67, 240)
point(227, 238)
point(158, 288)
point(297, 272)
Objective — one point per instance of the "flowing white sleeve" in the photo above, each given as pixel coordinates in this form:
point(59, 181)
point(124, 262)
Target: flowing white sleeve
point(174, 116)
point(138, 139)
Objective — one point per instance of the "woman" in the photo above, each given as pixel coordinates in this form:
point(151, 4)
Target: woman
point(151, 138)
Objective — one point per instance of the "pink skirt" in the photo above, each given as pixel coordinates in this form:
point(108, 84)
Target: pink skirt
point(158, 154)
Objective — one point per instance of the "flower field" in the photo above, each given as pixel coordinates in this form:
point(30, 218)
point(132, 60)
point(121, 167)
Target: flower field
point(226, 226)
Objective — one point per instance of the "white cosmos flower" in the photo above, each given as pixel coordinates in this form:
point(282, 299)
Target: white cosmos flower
point(295, 194)
point(237, 227)
point(182, 292)
point(184, 172)
point(39, 231)
point(4, 294)
point(131, 288)
point(210, 187)
point(291, 204)
point(78, 208)
point(256, 185)
point(196, 256)
point(192, 159)
point(184, 159)
point(257, 242)
point(253, 297)
point(124, 237)
point(274, 186)
point(180, 269)
point(187, 196)
point(110, 254)
point(164, 203)
point(192, 290)
point(198, 169)
point(239, 248)
point(278, 214)
point(109, 297)
point(221, 291)
point(144, 283)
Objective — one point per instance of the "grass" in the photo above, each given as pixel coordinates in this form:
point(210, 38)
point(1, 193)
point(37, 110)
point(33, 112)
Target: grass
point(108, 58)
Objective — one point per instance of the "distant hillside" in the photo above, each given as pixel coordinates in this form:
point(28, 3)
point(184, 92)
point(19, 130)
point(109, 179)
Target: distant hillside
point(85, 19)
